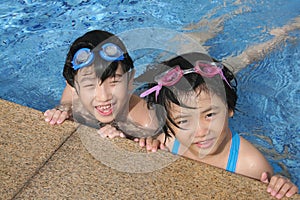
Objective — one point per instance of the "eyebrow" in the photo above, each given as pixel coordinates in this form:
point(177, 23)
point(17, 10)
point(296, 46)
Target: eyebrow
point(204, 111)
point(118, 75)
point(181, 116)
point(210, 108)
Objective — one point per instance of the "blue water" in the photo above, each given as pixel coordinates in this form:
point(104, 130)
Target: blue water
point(35, 37)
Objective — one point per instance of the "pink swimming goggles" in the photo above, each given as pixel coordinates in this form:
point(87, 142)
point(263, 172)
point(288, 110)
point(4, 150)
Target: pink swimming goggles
point(172, 76)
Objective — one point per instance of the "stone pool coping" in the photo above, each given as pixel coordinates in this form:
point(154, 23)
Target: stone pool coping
point(40, 161)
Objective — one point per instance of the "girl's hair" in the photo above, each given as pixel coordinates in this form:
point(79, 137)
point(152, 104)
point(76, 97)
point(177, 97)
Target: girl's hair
point(94, 40)
point(192, 82)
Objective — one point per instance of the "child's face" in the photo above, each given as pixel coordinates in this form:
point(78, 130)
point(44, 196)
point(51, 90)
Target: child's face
point(203, 128)
point(105, 100)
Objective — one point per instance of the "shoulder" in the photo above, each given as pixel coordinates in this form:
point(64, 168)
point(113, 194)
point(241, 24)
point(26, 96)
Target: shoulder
point(251, 161)
point(139, 112)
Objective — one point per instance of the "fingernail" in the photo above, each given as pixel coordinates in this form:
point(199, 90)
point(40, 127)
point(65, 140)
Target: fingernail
point(269, 190)
point(278, 196)
point(288, 195)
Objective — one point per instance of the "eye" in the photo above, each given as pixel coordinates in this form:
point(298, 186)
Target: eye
point(181, 122)
point(210, 116)
point(88, 84)
point(116, 79)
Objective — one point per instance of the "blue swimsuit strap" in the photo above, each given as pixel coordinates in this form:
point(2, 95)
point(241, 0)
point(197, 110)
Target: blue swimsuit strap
point(175, 146)
point(234, 152)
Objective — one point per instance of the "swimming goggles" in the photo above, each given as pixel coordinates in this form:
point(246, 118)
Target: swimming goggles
point(172, 76)
point(109, 52)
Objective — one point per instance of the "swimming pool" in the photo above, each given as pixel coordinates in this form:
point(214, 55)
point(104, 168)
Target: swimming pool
point(262, 37)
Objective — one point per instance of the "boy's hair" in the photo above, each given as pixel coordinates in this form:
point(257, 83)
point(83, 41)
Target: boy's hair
point(192, 82)
point(94, 40)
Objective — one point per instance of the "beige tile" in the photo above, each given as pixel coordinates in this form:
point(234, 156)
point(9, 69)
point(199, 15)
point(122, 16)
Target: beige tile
point(89, 167)
point(26, 143)
point(39, 161)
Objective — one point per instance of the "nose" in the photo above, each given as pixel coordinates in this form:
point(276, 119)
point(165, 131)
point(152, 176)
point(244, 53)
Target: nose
point(202, 129)
point(103, 92)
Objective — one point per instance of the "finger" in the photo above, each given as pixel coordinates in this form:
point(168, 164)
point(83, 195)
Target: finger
point(122, 135)
point(113, 133)
point(64, 115)
point(163, 147)
point(48, 114)
point(55, 117)
point(272, 183)
point(279, 183)
point(149, 143)
point(264, 177)
point(292, 191)
point(107, 131)
point(142, 142)
point(284, 190)
point(155, 145)
point(102, 132)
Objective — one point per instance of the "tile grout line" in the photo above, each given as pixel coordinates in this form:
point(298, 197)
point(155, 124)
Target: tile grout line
point(42, 166)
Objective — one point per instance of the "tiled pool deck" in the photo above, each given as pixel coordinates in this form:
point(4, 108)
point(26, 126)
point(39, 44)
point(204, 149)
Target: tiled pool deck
point(39, 161)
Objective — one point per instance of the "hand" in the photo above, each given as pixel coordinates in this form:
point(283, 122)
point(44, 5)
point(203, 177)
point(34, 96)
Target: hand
point(152, 144)
point(58, 114)
point(110, 132)
point(279, 186)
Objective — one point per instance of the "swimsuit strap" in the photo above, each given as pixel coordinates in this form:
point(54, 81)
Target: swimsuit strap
point(234, 152)
point(175, 146)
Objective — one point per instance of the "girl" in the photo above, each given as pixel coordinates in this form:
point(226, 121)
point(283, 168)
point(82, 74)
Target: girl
point(199, 95)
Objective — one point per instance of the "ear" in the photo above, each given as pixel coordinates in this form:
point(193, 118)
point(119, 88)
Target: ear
point(131, 79)
point(230, 113)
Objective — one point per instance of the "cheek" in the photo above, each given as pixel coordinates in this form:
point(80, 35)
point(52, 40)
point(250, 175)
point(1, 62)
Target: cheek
point(86, 95)
point(185, 137)
point(120, 91)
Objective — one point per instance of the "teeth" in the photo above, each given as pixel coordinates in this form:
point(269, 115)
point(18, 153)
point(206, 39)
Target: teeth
point(104, 107)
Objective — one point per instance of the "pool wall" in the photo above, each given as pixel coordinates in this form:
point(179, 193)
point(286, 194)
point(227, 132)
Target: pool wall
point(51, 162)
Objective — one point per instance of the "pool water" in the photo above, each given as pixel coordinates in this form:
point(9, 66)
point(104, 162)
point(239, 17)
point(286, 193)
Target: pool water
point(35, 37)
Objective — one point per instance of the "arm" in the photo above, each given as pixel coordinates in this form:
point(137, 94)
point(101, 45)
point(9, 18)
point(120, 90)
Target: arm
point(253, 164)
point(63, 111)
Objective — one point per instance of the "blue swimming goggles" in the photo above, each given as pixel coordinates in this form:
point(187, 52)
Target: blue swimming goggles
point(109, 52)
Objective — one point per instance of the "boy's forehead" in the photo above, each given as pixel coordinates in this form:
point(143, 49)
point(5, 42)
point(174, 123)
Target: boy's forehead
point(91, 71)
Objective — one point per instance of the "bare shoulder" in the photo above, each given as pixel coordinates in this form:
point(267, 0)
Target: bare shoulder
point(251, 161)
point(140, 113)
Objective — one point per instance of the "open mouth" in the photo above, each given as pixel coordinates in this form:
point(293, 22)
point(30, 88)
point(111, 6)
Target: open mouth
point(205, 144)
point(104, 110)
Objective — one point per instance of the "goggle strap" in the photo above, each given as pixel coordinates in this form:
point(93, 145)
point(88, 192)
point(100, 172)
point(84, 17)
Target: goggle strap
point(224, 78)
point(156, 88)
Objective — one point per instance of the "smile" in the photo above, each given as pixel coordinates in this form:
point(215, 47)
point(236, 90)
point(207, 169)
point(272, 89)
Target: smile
point(104, 110)
point(205, 144)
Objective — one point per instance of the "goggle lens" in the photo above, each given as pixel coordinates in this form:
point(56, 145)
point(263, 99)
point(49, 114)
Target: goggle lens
point(109, 52)
point(83, 57)
point(170, 77)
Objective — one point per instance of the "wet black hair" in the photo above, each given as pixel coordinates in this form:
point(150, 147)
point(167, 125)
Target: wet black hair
point(191, 82)
point(104, 69)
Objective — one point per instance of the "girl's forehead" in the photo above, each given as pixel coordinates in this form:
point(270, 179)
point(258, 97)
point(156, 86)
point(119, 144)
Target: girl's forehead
point(195, 100)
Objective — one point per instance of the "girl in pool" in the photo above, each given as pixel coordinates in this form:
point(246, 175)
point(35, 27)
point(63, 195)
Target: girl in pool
point(199, 96)
point(99, 74)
